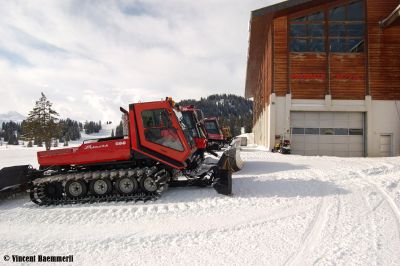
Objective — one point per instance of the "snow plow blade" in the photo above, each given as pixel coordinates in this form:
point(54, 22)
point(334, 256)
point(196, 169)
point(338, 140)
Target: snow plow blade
point(229, 163)
point(14, 177)
point(223, 182)
point(231, 159)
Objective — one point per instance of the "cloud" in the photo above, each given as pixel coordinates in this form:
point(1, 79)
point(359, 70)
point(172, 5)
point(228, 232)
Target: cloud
point(90, 57)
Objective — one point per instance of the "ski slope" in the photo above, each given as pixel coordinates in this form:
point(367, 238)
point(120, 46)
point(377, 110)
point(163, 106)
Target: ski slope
point(286, 210)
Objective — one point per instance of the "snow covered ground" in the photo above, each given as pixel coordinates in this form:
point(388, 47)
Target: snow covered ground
point(286, 210)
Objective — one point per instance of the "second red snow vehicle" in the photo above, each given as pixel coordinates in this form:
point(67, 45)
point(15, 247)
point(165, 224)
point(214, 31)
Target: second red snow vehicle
point(156, 152)
point(215, 137)
point(196, 128)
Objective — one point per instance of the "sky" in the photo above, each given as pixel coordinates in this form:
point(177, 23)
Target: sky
point(90, 57)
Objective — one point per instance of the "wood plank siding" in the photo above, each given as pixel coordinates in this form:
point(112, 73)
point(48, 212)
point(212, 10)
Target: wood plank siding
point(343, 86)
point(384, 51)
point(280, 56)
point(303, 86)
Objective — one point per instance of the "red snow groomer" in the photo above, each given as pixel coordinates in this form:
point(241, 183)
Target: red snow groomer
point(215, 137)
point(158, 148)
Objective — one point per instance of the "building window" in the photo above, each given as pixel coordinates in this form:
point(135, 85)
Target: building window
point(312, 131)
point(307, 33)
point(326, 131)
point(347, 28)
point(356, 132)
point(297, 131)
point(341, 131)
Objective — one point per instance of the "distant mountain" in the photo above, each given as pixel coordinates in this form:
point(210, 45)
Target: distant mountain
point(232, 111)
point(11, 116)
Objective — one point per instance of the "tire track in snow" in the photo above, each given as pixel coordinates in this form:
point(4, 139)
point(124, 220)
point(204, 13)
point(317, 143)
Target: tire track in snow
point(392, 204)
point(370, 224)
point(312, 235)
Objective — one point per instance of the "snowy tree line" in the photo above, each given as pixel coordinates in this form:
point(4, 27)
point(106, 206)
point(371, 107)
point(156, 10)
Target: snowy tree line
point(43, 126)
point(119, 130)
point(10, 132)
point(92, 127)
point(232, 111)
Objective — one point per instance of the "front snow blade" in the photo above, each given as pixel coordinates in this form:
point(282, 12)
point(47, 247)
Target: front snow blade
point(223, 182)
point(230, 159)
point(14, 176)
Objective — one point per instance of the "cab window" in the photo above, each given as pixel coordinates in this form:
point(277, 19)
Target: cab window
point(158, 129)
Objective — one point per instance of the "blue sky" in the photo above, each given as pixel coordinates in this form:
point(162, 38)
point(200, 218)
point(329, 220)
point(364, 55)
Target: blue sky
point(90, 57)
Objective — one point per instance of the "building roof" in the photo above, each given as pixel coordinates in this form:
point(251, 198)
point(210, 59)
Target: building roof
point(391, 18)
point(279, 7)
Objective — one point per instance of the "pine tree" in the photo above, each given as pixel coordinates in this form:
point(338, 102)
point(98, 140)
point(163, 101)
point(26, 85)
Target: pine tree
point(42, 123)
point(112, 133)
point(119, 132)
point(66, 140)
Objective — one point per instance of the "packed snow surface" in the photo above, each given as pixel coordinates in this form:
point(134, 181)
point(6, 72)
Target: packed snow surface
point(286, 210)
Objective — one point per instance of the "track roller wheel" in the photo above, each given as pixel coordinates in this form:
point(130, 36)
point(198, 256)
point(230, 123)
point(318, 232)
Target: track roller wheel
point(127, 185)
point(149, 184)
point(100, 187)
point(54, 190)
point(76, 188)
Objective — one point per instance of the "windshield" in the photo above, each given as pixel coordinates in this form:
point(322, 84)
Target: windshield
point(211, 127)
point(190, 121)
point(200, 115)
point(184, 127)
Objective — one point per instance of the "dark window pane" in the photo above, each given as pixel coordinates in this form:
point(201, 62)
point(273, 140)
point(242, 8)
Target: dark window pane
point(316, 45)
point(316, 30)
point(337, 45)
point(356, 131)
point(355, 11)
point(319, 16)
point(297, 131)
point(300, 19)
point(355, 45)
point(341, 131)
point(355, 29)
point(337, 30)
point(298, 30)
point(326, 131)
point(298, 45)
point(312, 131)
point(159, 130)
point(337, 14)
point(156, 118)
point(211, 127)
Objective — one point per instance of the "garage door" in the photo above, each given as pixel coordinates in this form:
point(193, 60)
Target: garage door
point(327, 133)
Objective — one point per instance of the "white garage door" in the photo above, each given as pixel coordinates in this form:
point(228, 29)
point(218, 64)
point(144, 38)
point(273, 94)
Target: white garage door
point(327, 133)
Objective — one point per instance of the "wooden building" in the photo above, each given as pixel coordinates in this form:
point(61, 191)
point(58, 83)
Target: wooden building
point(326, 75)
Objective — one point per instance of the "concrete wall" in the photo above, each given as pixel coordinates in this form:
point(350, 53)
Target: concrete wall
point(382, 118)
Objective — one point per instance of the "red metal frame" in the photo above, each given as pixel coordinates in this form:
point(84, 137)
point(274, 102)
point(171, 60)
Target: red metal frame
point(87, 153)
point(180, 156)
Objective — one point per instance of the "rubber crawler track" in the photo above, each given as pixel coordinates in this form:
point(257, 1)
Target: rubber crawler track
point(38, 194)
